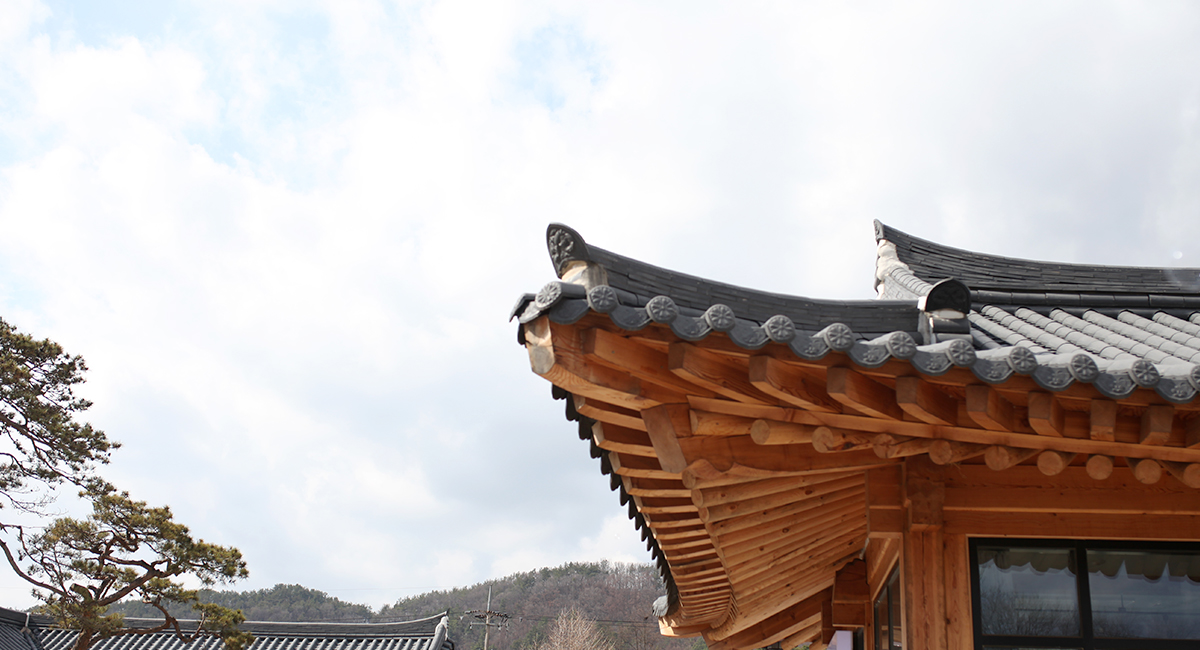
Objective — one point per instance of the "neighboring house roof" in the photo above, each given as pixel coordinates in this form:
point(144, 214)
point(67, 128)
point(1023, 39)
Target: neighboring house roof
point(16, 633)
point(407, 635)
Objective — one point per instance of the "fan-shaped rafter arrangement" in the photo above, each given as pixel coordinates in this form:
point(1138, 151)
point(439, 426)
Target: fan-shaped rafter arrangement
point(782, 455)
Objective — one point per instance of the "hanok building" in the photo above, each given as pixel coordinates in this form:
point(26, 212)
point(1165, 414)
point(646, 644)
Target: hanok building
point(997, 453)
point(22, 631)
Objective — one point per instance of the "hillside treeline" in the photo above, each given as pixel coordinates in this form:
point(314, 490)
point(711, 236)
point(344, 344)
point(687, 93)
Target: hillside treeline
point(616, 595)
point(279, 603)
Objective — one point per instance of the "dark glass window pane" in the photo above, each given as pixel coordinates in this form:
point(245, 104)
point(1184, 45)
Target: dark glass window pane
point(1028, 591)
point(895, 618)
point(1007, 647)
point(1145, 594)
point(881, 620)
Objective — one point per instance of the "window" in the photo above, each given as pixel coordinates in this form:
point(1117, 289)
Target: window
point(1085, 595)
point(889, 635)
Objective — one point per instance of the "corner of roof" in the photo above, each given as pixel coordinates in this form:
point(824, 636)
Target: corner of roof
point(565, 245)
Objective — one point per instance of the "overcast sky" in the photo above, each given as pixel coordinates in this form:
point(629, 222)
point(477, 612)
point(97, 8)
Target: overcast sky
point(286, 235)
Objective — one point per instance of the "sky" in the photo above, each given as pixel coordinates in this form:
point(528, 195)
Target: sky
point(286, 235)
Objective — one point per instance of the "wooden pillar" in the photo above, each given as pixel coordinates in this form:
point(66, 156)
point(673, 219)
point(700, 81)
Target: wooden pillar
point(924, 600)
point(957, 572)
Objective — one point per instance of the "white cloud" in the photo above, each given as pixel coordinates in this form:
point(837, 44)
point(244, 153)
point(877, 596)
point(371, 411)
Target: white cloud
point(286, 236)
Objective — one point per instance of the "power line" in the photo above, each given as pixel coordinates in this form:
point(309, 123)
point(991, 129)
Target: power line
point(486, 616)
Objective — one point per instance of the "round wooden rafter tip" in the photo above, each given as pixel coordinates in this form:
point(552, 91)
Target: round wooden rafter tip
point(1052, 463)
point(1099, 467)
point(1145, 470)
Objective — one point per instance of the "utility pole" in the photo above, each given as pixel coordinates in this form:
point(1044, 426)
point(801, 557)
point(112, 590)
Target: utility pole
point(486, 616)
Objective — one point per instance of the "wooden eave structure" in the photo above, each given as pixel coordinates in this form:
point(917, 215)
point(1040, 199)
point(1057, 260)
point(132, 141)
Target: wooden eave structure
point(782, 455)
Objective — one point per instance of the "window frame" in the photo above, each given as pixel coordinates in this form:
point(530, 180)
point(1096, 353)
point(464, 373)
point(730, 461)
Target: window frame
point(890, 595)
point(1085, 641)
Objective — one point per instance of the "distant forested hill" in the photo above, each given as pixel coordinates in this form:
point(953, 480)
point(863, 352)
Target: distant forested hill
point(279, 603)
point(617, 596)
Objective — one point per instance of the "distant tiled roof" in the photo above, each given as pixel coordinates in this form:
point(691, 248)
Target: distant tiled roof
point(15, 631)
point(408, 635)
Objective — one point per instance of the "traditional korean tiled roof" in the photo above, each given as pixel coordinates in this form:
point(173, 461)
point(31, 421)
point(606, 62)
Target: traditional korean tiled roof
point(408, 635)
point(1117, 328)
point(742, 427)
point(18, 631)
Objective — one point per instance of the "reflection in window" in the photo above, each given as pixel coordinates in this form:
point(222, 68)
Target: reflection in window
point(1145, 594)
point(888, 633)
point(1028, 591)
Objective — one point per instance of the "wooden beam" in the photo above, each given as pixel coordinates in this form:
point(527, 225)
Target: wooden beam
point(789, 385)
point(639, 466)
point(1156, 425)
point(781, 518)
point(988, 409)
point(665, 425)
point(1192, 433)
point(554, 354)
point(771, 432)
point(645, 363)
point(796, 583)
point(1099, 467)
point(826, 440)
point(715, 513)
point(1183, 528)
point(1100, 499)
point(665, 506)
point(946, 452)
point(714, 372)
point(957, 572)
point(623, 439)
point(784, 623)
point(753, 489)
point(1186, 473)
point(925, 402)
point(806, 634)
point(759, 582)
point(705, 423)
point(644, 487)
point(726, 454)
point(998, 457)
point(1052, 463)
point(1146, 470)
point(605, 412)
point(862, 393)
point(769, 550)
point(890, 446)
point(924, 590)
point(1103, 420)
point(1045, 414)
point(868, 425)
point(851, 595)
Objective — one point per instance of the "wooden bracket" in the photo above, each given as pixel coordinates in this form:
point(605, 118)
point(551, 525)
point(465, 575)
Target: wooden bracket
point(862, 393)
point(923, 401)
point(666, 424)
point(1156, 424)
point(789, 385)
point(988, 409)
point(1103, 424)
point(999, 457)
point(1045, 414)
